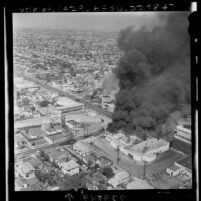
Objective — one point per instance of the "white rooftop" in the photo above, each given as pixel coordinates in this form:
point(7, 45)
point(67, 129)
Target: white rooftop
point(69, 165)
point(148, 145)
point(181, 128)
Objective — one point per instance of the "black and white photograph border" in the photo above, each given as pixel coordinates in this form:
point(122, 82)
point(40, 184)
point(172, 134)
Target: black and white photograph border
point(138, 104)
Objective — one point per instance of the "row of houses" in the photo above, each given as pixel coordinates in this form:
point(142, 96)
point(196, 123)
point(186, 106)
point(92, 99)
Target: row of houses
point(25, 169)
point(89, 157)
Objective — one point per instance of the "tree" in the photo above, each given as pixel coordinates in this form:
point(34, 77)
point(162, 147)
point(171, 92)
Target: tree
point(108, 172)
point(73, 182)
point(18, 94)
point(52, 178)
point(44, 103)
point(90, 162)
point(33, 109)
point(55, 164)
point(26, 101)
point(41, 176)
point(44, 156)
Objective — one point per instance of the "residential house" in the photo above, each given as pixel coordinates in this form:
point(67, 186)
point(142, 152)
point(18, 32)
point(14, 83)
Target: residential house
point(70, 167)
point(81, 148)
point(57, 155)
point(32, 181)
point(90, 159)
point(119, 178)
point(94, 181)
point(35, 162)
point(102, 161)
point(25, 170)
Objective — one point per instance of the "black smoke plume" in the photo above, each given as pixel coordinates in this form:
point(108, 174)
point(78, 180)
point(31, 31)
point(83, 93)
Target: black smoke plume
point(154, 74)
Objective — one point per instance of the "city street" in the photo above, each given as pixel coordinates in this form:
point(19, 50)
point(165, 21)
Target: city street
point(87, 103)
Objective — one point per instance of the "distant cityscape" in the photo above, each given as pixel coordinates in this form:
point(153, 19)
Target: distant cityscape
point(62, 108)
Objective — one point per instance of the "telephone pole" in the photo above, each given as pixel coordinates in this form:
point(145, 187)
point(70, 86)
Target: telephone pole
point(118, 158)
point(144, 168)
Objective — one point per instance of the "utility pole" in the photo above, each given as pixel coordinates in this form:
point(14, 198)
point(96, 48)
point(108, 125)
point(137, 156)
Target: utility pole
point(118, 158)
point(144, 172)
point(84, 125)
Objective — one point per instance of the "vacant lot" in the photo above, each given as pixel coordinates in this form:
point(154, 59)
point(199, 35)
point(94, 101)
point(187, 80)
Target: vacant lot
point(163, 161)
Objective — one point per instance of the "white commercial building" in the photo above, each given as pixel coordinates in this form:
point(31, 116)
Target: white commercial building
point(147, 150)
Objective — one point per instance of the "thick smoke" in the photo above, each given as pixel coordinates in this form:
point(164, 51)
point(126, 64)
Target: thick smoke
point(110, 84)
point(154, 74)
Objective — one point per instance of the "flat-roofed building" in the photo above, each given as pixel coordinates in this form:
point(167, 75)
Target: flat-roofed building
point(183, 133)
point(72, 124)
point(173, 170)
point(54, 130)
point(67, 105)
point(146, 150)
point(186, 165)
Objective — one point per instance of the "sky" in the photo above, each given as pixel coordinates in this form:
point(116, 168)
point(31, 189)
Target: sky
point(86, 21)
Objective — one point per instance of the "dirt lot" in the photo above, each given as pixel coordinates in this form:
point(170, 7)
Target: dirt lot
point(163, 161)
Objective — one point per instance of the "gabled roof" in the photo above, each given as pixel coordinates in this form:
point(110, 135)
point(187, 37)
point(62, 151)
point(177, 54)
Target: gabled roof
point(33, 161)
point(57, 155)
point(26, 167)
point(90, 157)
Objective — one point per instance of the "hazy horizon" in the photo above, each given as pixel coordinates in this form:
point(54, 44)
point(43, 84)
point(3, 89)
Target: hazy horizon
point(86, 21)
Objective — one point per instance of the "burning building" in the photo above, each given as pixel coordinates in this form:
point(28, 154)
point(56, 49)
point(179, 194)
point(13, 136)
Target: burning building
point(153, 74)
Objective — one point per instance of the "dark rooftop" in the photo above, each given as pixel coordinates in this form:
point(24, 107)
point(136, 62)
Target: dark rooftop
point(186, 162)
